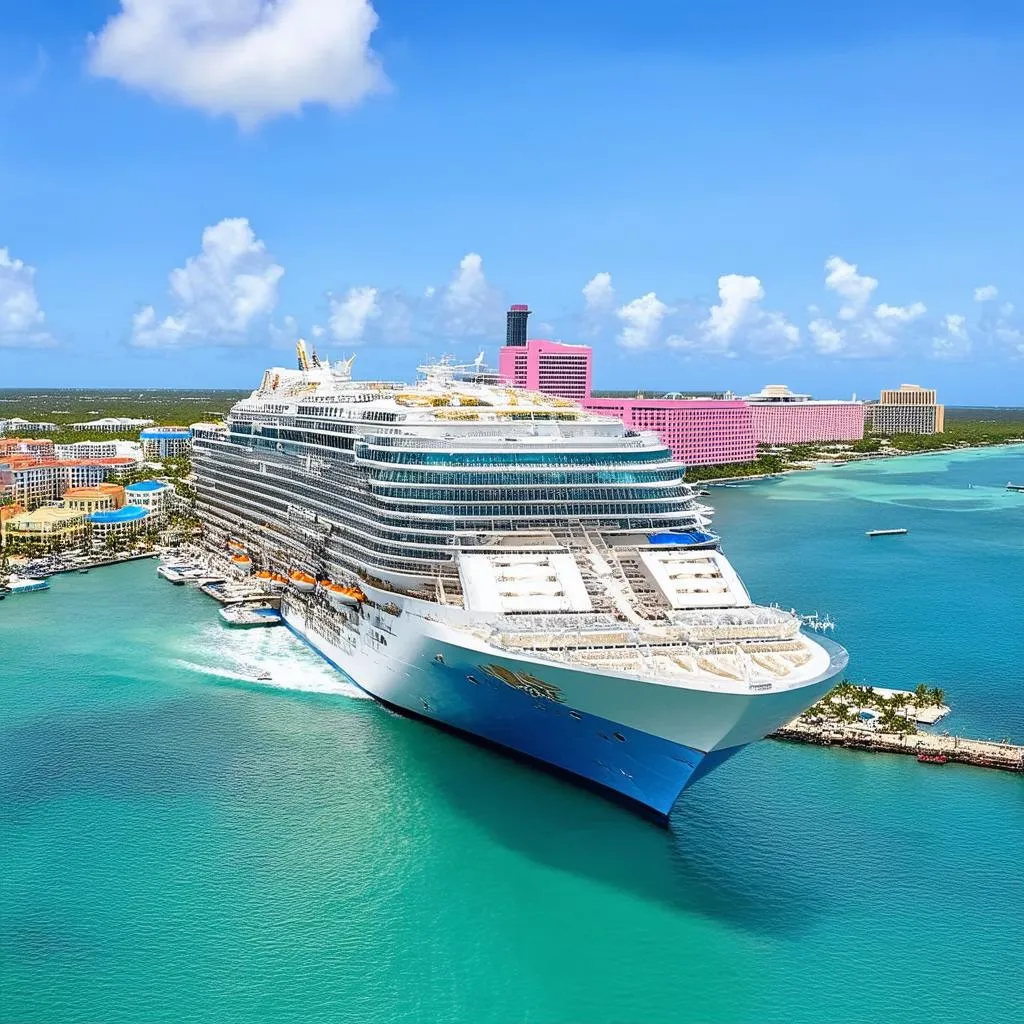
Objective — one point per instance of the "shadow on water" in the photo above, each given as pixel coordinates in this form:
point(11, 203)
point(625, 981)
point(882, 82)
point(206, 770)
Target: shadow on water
point(167, 748)
point(717, 858)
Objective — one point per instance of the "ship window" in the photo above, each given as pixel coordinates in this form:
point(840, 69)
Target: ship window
point(472, 679)
point(576, 715)
point(619, 737)
point(439, 658)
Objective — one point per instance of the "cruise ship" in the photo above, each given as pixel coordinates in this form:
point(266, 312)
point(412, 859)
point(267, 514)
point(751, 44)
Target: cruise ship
point(508, 566)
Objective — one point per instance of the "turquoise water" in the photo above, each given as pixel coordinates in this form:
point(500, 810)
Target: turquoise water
point(179, 842)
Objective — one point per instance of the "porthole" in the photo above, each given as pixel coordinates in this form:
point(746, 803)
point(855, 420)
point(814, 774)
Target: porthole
point(472, 679)
point(576, 715)
point(619, 737)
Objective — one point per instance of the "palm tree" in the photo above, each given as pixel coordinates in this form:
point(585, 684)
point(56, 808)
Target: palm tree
point(938, 696)
point(921, 694)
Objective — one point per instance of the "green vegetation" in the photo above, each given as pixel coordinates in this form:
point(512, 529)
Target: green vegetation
point(764, 463)
point(961, 433)
point(843, 702)
point(74, 405)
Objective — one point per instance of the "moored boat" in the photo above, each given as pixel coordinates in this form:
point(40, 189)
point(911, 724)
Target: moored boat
point(27, 584)
point(246, 616)
point(536, 576)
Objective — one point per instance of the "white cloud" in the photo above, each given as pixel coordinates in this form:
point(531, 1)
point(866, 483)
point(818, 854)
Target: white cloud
point(470, 306)
point(900, 314)
point(22, 321)
point(860, 331)
point(738, 296)
point(641, 321)
point(251, 59)
point(350, 316)
point(738, 317)
point(955, 341)
point(467, 307)
point(986, 293)
point(218, 294)
point(828, 339)
point(845, 281)
point(598, 293)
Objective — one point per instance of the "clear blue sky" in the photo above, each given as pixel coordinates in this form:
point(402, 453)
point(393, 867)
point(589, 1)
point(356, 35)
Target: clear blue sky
point(389, 187)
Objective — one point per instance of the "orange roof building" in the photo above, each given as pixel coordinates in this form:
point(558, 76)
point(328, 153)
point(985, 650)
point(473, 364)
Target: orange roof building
point(95, 498)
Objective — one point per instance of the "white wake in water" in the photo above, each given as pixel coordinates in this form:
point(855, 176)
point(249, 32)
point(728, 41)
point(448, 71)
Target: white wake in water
point(244, 655)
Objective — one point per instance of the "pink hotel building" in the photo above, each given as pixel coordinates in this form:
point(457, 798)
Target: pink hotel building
point(551, 367)
point(782, 417)
point(699, 431)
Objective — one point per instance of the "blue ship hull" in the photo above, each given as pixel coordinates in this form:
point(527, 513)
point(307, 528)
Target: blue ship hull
point(643, 771)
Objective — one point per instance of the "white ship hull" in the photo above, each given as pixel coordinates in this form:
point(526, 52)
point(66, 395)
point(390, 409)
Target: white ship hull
point(639, 741)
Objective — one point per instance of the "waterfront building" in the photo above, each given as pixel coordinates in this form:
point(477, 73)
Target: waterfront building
point(120, 522)
point(35, 447)
point(17, 425)
point(779, 416)
point(113, 424)
point(515, 326)
point(94, 499)
point(153, 495)
point(908, 409)
point(508, 565)
point(165, 442)
point(49, 528)
point(550, 367)
point(698, 431)
point(34, 482)
point(100, 450)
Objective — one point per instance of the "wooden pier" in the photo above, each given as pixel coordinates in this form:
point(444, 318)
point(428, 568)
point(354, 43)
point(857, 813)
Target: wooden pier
point(980, 753)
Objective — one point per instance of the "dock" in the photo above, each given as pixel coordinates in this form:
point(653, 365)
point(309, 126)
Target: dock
point(979, 753)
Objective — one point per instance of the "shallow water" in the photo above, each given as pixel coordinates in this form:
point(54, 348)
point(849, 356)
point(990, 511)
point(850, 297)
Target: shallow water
point(181, 841)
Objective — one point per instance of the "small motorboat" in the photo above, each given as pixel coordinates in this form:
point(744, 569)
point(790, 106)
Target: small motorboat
point(264, 677)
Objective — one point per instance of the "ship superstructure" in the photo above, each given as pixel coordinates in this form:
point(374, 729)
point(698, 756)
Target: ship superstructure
point(507, 565)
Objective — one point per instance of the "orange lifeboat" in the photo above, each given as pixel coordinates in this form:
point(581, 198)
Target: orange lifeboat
point(272, 579)
point(236, 545)
point(243, 562)
point(349, 597)
point(302, 581)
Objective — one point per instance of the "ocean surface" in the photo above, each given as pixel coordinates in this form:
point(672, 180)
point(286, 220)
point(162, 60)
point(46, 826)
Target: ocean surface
point(179, 842)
